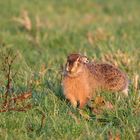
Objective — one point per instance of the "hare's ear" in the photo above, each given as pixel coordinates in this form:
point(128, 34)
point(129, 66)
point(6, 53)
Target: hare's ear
point(77, 60)
point(85, 59)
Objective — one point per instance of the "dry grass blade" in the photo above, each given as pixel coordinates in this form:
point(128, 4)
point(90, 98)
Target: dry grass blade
point(43, 119)
point(136, 78)
point(22, 109)
point(108, 105)
point(74, 117)
point(110, 137)
point(118, 58)
point(43, 70)
point(27, 21)
point(84, 114)
point(38, 22)
point(24, 20)
point(22, 97)
point(90, 38)
point(8, 61)
point(137, 134)
point(99, 34)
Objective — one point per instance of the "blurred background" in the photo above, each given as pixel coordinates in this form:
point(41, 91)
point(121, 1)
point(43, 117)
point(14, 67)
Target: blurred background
point(56, 28)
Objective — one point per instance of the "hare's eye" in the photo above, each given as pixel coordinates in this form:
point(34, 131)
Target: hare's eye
point(86, 61)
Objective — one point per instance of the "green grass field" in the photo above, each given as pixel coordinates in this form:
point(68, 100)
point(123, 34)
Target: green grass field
point(103, 30)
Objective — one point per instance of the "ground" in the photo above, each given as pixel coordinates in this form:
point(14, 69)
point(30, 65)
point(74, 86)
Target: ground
point(41, 34)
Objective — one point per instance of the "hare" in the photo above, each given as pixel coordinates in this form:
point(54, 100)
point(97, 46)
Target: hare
point(82, 79)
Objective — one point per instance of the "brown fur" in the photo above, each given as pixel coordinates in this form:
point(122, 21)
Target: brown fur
point(110, 77)
point(82, 79)
point(76, 89)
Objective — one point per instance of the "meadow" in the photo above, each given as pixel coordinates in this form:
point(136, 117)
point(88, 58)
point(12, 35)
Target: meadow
point(36, 37)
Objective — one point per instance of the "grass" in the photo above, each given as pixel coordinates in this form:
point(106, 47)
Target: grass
point(101, 29)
